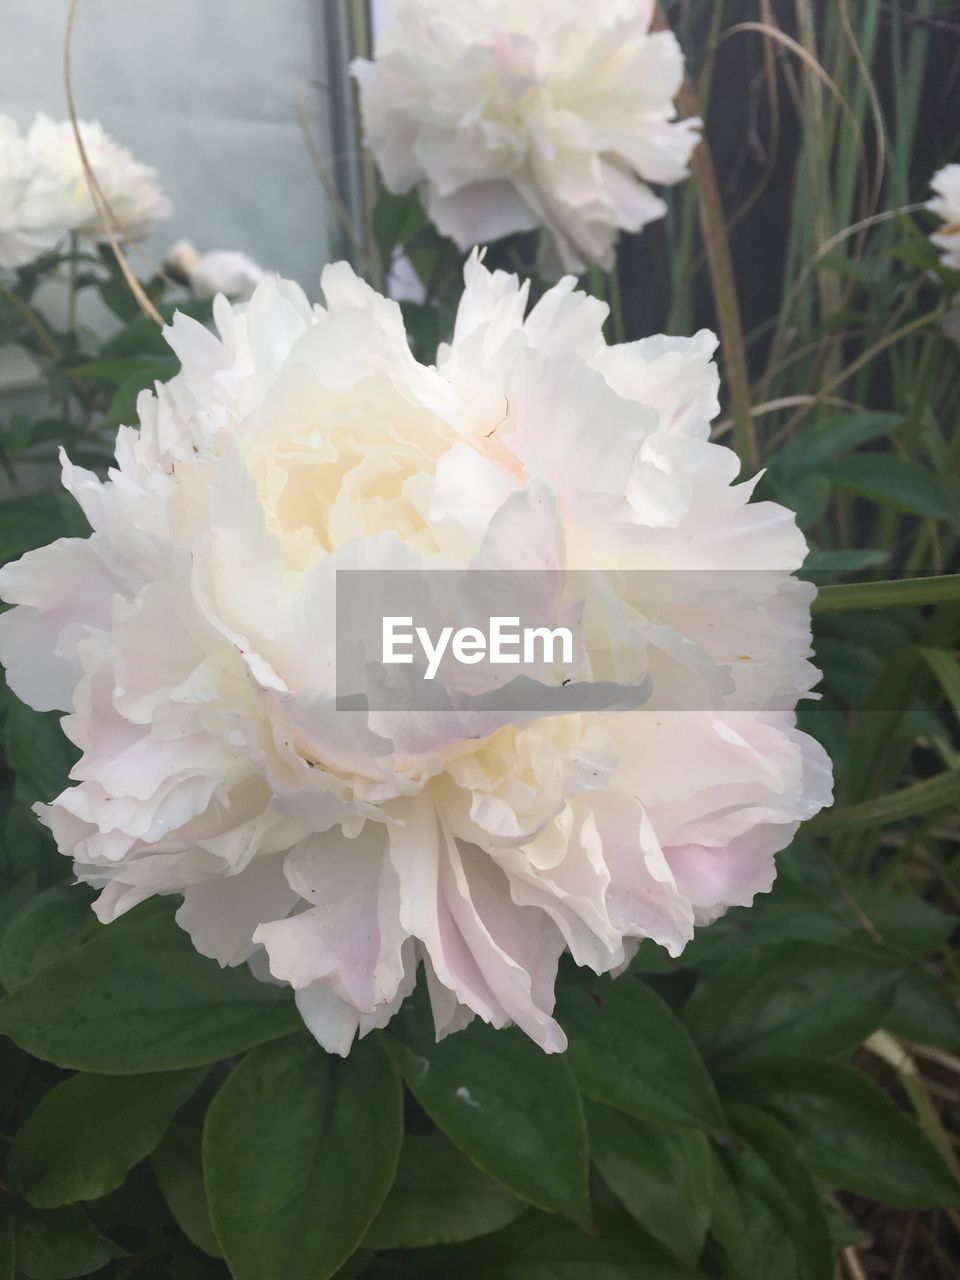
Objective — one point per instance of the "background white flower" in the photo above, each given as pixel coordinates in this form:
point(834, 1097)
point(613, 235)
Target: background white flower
point(946, 204)
point(509, 116)
point(190, 640)
point(23, 233)
point(219, 271)
point(60, 195)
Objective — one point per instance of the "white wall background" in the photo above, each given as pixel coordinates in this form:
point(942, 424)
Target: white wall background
point(206, 91)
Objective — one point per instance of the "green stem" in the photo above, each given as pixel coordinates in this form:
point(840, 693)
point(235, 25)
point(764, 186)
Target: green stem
point(842, 597)
point(616, 305)
point(930, 796)
point(862, 361)
point(72, 283)
point(720, 261)
point(34, 321)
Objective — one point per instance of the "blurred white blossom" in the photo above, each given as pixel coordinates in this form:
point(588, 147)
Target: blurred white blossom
point(509, 116)
point(23, 233)
point(60, 197)
point(946, 205)
point(220, 271)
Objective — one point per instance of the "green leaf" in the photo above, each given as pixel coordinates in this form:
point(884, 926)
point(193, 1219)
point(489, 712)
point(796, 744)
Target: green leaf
point(299, 1152)
point(809, 496)
point(844, 1232)
point(122, 409)
point(115, 294)
point(51, 925)
point(825, 440)
point(87, 1133)
point(896, 482)
point(15, 897)
point(937, 589)
point(628, 1049)
point(30, 522)
point(924, 1010)
point(514, 1110)
point(57, 1244)
point(14, 1066)
point(177, 1169)
point(143, 367)
point(839, 911)
point(396, 220)
point(538, 1247)
point(439, 1197)
point(921, 798)
point(767, 1214)
point(789, 998)
point(138, 998)
point(663, 1178)
point(8, 1247)
point(846, 561)
point(848, 1132)
point(39, 752)
point(947, 672)
point(422, 322)
point(29, 847)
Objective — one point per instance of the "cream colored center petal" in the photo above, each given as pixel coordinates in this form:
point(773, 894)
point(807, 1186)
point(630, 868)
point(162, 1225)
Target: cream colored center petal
point(323, 486)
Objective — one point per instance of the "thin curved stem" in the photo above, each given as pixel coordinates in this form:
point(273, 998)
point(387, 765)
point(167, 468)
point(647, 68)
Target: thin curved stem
point(722, 277)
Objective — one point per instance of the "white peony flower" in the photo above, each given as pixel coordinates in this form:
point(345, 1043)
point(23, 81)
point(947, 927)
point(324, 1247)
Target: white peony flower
point(510, 116)
point(60, 195)
point(220, 271)
point(946, 205)
point(23, 235)
point(190, 641)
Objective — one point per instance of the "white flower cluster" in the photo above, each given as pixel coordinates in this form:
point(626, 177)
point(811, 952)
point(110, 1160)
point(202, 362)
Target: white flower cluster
point(510, 115)
point(946, 205)
point(44, 194)
point(219, 271)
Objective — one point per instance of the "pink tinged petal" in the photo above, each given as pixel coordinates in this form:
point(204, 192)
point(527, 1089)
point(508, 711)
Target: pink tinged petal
point(222, 915)
point(634, 204)
point(480, 212)
point(714, 879)
point(661, 151)
point(117, 898)
point(351, 937)
point(515, 949)
point(643, 898)
point(335, 1023)
point(570, 885)
point(162, 651)
point(449, 1015)
point(570, 428)
point(737, 751)
point(332, 1022)
point(497, 958)
point(785, 777)
point(64, 592)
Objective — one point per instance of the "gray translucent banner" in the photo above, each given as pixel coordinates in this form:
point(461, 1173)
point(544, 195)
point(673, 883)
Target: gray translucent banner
point(525, 643)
